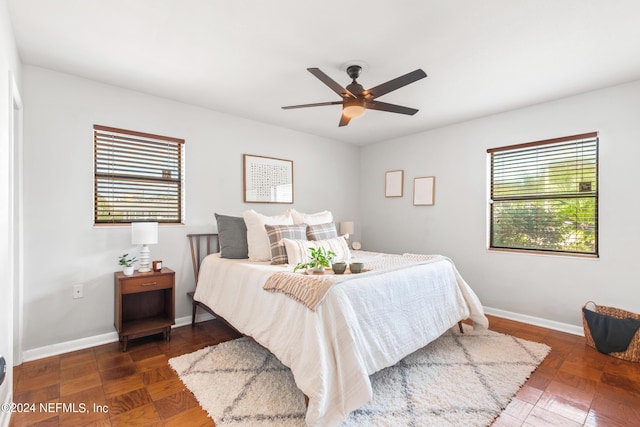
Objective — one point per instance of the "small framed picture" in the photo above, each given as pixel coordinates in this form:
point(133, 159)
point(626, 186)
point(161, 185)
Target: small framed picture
point(424, 190)
point(394, 183)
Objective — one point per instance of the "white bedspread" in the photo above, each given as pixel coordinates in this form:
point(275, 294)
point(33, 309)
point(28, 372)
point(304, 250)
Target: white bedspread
point(364, 324)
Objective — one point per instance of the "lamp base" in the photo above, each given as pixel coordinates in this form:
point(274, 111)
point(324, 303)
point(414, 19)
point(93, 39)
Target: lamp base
point(144, 259)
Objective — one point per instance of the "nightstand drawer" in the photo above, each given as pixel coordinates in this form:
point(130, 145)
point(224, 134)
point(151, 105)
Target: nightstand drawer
point(145, 284)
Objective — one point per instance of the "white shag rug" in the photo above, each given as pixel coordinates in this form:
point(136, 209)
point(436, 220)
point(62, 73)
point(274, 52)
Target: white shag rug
point(458, 380)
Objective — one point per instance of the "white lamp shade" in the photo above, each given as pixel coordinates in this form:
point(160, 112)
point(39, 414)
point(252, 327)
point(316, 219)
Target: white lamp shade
point(347, 227)
point(144, 233)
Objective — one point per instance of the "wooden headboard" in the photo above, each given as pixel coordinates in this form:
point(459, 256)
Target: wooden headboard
point(202, 245)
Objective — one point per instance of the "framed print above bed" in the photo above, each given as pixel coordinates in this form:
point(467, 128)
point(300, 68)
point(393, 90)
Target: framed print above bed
point(424, 189)
point(394, 183)
point(267, 180)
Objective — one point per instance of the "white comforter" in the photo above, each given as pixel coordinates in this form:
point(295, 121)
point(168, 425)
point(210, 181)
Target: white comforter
point(364, 324)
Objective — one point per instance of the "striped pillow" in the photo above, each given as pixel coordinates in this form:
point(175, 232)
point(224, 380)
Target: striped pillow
point(278, 232)
point(322, 231)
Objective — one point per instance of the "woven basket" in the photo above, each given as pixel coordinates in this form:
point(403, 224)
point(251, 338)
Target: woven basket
point(633, 351)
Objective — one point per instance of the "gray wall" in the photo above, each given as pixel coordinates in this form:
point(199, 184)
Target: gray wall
point(63, 248)
point(546, 287)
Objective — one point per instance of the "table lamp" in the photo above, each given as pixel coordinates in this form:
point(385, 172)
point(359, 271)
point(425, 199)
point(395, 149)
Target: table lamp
point(144, 233)
point(347, 227)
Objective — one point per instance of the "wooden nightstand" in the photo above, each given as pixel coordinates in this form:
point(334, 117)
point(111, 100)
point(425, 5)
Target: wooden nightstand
point(144, 304)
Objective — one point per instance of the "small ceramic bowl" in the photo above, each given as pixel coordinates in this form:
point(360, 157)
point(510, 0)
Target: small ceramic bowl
point(356, 267)
point(339, 267)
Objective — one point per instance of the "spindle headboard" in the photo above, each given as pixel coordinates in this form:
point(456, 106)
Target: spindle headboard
point(202, 244)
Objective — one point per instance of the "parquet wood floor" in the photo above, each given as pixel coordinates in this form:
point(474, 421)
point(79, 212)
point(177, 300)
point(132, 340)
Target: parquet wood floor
point(574, 386)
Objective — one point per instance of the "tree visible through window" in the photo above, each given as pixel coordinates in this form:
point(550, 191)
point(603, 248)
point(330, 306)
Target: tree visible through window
point(544, 196)
point(138, 177)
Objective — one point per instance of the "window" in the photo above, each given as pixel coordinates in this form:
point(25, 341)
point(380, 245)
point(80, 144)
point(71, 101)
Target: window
point(544, 196)
point(138, 177)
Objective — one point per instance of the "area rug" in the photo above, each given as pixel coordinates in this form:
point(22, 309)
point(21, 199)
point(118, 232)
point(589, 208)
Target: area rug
point(458, 380)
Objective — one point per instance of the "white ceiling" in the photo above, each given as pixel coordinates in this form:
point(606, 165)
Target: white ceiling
point(249, 57)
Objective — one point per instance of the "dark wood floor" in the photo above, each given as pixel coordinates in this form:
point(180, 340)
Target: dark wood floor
point(574, 386)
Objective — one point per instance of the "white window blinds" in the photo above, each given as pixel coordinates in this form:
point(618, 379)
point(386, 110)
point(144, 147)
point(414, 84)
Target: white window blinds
point(138, 177)
point(544, 195)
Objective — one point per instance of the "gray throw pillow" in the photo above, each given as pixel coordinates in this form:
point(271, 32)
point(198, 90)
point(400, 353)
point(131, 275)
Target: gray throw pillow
point(232, 234)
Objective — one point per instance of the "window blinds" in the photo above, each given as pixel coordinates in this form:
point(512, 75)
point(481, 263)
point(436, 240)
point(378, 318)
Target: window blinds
point(544, 195)
point(138, 177)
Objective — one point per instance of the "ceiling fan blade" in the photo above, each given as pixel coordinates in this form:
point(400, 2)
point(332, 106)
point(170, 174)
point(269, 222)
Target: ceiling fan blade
point(391, 108)
point(317, 104)
point(344, 120)
point(396, 83)
point(343, 92)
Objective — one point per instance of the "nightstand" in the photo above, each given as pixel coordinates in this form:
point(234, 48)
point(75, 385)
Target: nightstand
point(144, 304)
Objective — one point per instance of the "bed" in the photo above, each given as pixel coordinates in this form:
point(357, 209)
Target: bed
point(363, 324)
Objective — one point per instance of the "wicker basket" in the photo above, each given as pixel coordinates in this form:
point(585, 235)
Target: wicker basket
point(633, 351)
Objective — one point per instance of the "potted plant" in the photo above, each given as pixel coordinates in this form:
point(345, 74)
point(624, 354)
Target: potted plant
point(127, 264)
point(319, 260)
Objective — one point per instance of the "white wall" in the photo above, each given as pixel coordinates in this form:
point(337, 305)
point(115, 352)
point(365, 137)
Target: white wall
point(9, 63)
point(63, 248)
point(547, 287)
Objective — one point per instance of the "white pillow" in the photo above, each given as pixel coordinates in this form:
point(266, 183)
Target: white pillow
point(298, 250)
point(311, 219)
point(257, 238)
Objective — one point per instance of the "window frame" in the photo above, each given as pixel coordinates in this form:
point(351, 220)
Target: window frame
point(593, 194)
point(177, 208)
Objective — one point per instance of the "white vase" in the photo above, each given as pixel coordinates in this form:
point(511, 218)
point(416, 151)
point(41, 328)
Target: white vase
point(127, 271)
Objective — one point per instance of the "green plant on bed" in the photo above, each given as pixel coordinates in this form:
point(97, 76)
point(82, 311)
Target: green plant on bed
point(319, 260)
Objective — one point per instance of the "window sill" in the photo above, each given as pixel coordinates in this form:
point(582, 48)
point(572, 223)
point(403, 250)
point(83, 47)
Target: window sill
point(545, 253)
point(161, 225)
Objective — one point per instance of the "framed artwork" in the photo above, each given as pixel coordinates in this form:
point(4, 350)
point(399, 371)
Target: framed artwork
point(267, 180)
point(424, 189)
point(394, 183)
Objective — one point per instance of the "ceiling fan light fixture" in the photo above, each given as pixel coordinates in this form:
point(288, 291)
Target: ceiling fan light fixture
point(356, 99)
point(353, 108)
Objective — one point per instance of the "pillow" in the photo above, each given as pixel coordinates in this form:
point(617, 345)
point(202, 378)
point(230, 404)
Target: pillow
point(232, 235)
point(322, 231)
point(278, 232)
point(257, 239)
point(298, 250)
point(311, 219)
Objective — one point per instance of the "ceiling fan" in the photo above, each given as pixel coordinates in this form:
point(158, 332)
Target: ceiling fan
point(356, 99)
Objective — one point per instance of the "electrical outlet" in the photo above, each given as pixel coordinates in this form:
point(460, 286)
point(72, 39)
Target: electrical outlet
point(78, 291)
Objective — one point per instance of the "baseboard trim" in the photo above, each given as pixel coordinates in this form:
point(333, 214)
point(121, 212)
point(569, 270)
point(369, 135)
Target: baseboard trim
point(82, 343)
point(200, 317)
point(68, 346)
point(537, 321)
